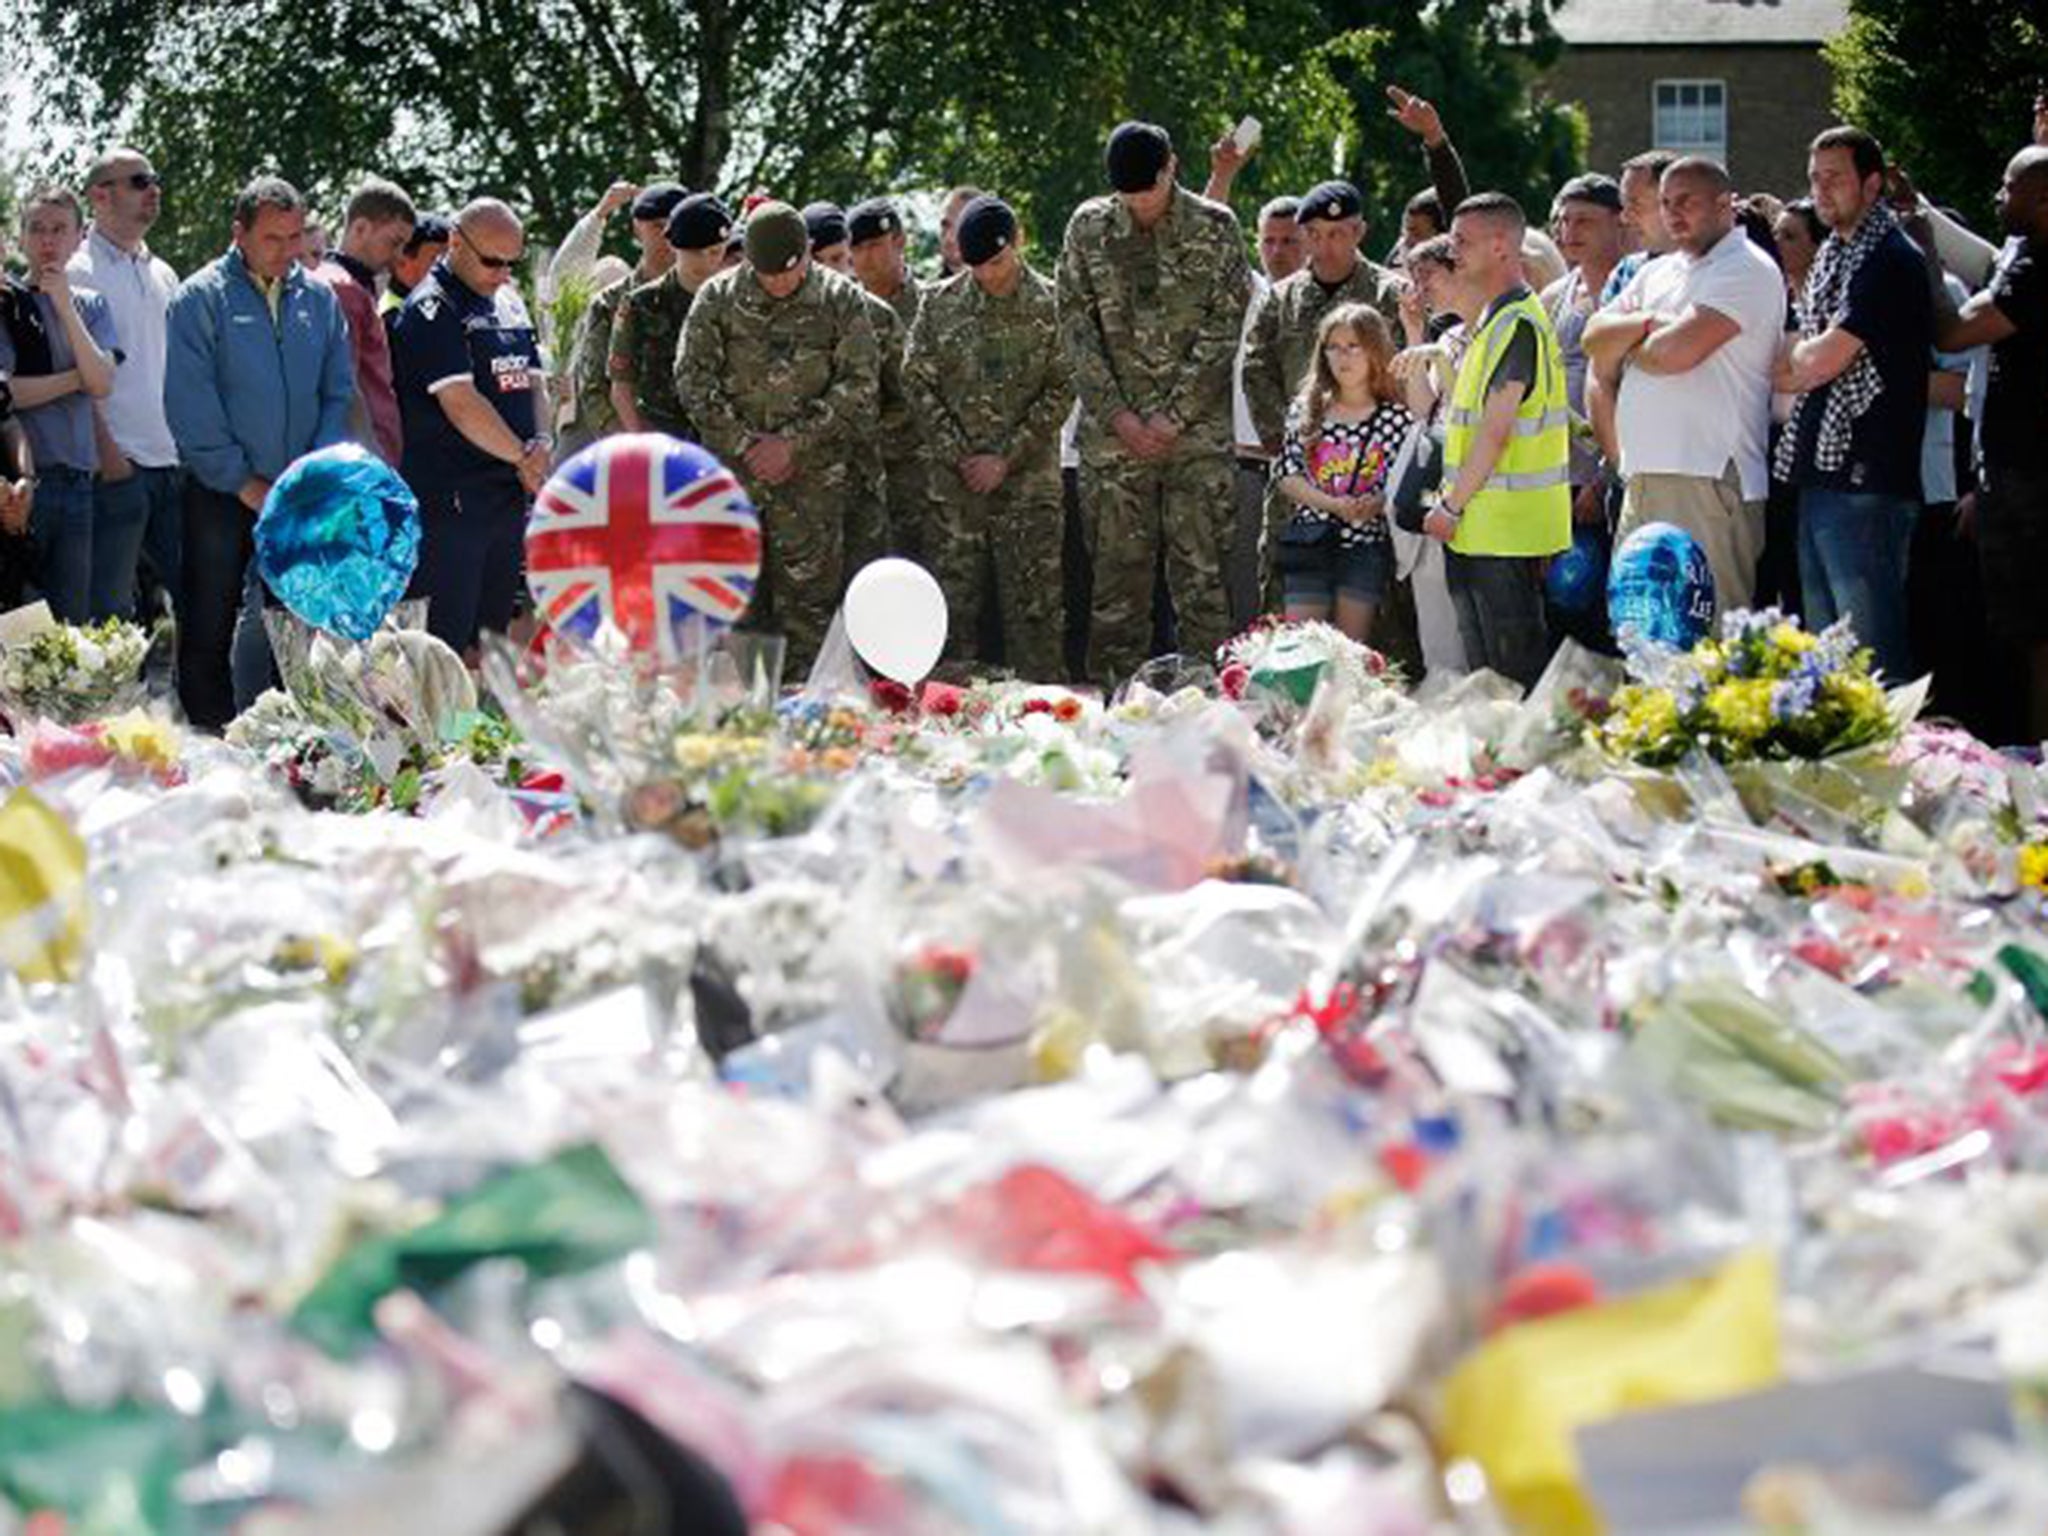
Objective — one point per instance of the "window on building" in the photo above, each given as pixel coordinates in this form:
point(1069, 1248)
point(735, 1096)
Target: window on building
point(1691, 117)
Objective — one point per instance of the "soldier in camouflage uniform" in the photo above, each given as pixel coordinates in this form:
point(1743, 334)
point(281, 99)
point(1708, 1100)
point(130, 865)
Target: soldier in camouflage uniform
point(1152, 290)
point(1281, 337)
point(590, 357)
point(872, 517)
point(778, 374)
point(648, 335)
point(989, 382)
point(875, 247)
point(876, 244)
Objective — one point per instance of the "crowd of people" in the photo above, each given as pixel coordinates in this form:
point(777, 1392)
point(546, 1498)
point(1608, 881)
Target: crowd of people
point(1838, 397)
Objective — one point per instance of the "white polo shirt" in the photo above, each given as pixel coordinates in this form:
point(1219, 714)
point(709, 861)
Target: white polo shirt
point(138, 290)
point(1693, 423)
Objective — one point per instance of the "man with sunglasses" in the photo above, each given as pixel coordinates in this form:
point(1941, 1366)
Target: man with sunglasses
point(140, 479)
point(467, 364)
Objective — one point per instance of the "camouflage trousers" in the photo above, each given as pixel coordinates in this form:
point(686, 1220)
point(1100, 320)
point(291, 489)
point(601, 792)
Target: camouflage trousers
point(1141, 516)
point(910, 491)
point(803, 528)
point(867, 514)
point(1015, 534)
point(1278, 512)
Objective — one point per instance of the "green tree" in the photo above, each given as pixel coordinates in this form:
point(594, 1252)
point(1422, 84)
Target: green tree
point(1021, 98)
point(544, 102)
point(1480, 62)
point(1947, 86)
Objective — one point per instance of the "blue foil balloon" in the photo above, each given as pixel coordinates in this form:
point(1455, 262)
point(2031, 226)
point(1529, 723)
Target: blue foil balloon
point(338, 538)
point(1576, 582)
point(1661, 586)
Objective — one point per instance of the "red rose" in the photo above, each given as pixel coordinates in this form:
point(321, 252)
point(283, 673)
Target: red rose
point(891, 695)
point(1234, 680)
point(942, 699)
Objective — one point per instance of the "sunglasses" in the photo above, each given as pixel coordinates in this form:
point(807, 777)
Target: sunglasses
point(141, 181)
point(494, 263)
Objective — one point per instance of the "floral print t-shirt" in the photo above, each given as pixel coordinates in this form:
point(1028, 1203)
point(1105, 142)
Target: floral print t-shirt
point(1349, 458)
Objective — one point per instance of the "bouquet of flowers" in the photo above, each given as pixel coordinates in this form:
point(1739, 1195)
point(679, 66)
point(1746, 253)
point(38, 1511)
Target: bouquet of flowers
point(1287, 660)
point(73, 673)
point(1764, 691)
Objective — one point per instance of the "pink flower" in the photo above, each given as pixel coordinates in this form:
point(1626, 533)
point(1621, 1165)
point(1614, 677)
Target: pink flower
point(943, 699)
point(2020, 1072)
point(54, 750)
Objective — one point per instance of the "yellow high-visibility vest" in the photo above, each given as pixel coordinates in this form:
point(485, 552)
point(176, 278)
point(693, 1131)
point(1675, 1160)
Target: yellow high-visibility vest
point(1525, 507)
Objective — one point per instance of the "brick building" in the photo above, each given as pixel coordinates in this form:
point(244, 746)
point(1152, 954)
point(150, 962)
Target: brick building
point(1742, 80)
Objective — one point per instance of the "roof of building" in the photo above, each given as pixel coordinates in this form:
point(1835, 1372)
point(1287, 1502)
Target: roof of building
point(1728, 23)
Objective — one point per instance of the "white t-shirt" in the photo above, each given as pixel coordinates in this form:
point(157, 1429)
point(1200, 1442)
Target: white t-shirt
point(1693, 423)
point(1246, 435)
point(138, 291)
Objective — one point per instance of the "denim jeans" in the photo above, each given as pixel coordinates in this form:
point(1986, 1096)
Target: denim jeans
point(60, 527)
point(219, 538)
point(163, 535)
point(1499, 603)
point(251, 664)
point(120, 513)
point(1853, 552)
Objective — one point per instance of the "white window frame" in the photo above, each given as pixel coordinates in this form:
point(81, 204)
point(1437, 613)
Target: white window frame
point(1697, 146)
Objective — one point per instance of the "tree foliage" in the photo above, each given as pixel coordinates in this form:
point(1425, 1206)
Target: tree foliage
point(1021, 99)
point(1947, 86)
point(546, 102)
point(543, 102)
point(1480, 62)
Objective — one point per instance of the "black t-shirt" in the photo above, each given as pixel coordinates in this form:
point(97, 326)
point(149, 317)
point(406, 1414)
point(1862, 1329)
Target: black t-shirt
point(448, 332)
point(1517, 364)
point(2014, 435)
point(1890, 311)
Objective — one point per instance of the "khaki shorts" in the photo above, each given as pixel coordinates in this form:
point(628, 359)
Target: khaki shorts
point(1729, 529)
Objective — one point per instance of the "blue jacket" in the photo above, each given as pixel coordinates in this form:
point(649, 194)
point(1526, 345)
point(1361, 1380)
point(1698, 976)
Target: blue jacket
point(245, 395)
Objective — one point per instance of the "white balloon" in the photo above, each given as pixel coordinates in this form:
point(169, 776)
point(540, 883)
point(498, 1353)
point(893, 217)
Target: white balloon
point(896, 619)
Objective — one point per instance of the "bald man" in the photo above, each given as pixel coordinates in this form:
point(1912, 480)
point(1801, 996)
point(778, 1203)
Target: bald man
point(2011, 317)
point(467, 367)
point(1693, 339)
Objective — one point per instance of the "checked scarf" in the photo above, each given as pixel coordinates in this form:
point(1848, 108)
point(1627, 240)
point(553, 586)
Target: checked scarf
point(1855, 387)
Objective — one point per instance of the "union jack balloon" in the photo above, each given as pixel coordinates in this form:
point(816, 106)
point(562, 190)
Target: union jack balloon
point(644, 531)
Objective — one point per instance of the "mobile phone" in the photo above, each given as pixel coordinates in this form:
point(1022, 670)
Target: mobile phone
point(1246, 135)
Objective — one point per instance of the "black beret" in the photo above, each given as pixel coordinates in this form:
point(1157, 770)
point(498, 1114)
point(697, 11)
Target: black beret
point(428, 229)
point(1136, 154)
point(1330, 200)
point(872, 219)
point(825, 223)
point(698, 223)
point(658, 201)
point(986, 226)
